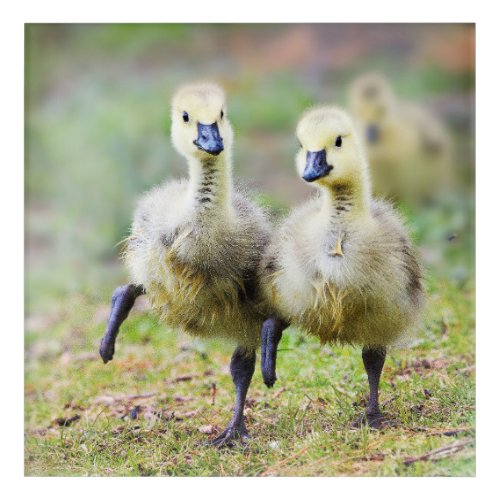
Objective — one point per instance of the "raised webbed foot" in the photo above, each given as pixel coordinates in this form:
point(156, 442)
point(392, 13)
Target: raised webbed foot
point(268, 370)
point(121, 302)
point(269, 377)
point(231, 436)
point(271, 333)
point(107, 349)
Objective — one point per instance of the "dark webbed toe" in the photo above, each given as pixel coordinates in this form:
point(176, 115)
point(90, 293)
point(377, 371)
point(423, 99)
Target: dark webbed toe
point(269, 377)
point(242, 367)
point(231, 436)
point(375, 420)
point(271, 334)
point(121, 302)
point(107, 349)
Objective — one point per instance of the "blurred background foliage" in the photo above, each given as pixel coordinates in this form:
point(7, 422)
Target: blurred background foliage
point(97, 129)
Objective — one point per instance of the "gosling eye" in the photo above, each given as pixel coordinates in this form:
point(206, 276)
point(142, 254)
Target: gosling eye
point(338, 142)
point(185, 116)
point(300, 145)
point(222, 114)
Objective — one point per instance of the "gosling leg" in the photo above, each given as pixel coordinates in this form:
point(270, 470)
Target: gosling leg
point(242, 367)
point(272, 330)
point(373, 359)
point(122, 301)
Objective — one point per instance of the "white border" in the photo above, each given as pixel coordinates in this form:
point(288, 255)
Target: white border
point(252, 11)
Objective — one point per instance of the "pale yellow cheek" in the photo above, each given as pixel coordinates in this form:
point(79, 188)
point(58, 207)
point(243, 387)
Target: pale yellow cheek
point(183, 137)
point(331, 156)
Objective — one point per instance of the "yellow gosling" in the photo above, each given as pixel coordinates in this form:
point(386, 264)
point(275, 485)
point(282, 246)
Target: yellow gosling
point(342, 266)
point(196, 244)
point(408, 148)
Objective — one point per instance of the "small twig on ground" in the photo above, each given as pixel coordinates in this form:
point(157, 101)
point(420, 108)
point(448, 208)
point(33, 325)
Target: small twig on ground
point(181, 378)
point(388, 401)
point(213, 392)
point(439, 452)
point(440, 432)
point(279, 392)
point(142, 396)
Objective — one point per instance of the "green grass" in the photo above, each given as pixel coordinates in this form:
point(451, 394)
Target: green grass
point(301, 427)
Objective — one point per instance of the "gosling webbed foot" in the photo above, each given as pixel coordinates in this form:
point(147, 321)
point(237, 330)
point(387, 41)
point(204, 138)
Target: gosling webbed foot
point(373, 360)
point(242, 367)
point(107, 348)
point(232, 435)
point(375, 420)
point(272, 330)
point(122, 302)
point(269, 375)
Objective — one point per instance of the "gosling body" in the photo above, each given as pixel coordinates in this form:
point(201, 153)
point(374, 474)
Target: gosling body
point(198, 260)
point(342, 267)
point(345, 278)
point(195, 247)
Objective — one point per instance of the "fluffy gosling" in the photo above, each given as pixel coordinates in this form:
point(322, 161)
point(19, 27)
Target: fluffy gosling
point(341, 266)
point(196, 244)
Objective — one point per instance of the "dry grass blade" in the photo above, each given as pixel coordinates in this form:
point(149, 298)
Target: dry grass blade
point(440, 452)
point(441, 432)
point(142, 396)
point(271, 469)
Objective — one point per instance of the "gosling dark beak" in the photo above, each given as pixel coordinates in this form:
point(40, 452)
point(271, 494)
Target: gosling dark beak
point(209, 139)
point(316, 166)
point(372, 133)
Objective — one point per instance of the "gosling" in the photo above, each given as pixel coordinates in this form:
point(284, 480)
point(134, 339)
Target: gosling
point(195, 247)
point(409, 149)
point(341, 266)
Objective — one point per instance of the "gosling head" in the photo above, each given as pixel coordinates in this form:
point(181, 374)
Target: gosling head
point(330, 153)
point(372, 101)
point(200, 127)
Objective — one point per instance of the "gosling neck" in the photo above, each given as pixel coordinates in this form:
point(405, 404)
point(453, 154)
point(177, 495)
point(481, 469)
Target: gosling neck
point(346, 200)
point(211, 185)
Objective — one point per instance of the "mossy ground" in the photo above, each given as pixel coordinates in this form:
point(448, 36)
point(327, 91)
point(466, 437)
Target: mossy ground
point(152, 409)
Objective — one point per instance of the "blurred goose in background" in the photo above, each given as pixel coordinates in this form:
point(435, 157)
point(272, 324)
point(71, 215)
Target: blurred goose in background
point(408, 148)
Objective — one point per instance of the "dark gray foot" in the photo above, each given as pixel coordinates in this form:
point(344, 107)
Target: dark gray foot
point(232, 436)
point(272, 330)
point(373, 420)
point(373, 359)
point(121, 302)
point(107, 349)
point(242, 367)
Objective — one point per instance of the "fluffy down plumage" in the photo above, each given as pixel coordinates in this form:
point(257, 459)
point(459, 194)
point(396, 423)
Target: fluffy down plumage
point(370, 295)
point(200, 273)
point(196, 244)
point(342, 266)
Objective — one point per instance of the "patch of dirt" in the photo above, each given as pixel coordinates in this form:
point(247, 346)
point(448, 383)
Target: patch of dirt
point(207, 429)
point(66, 421)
